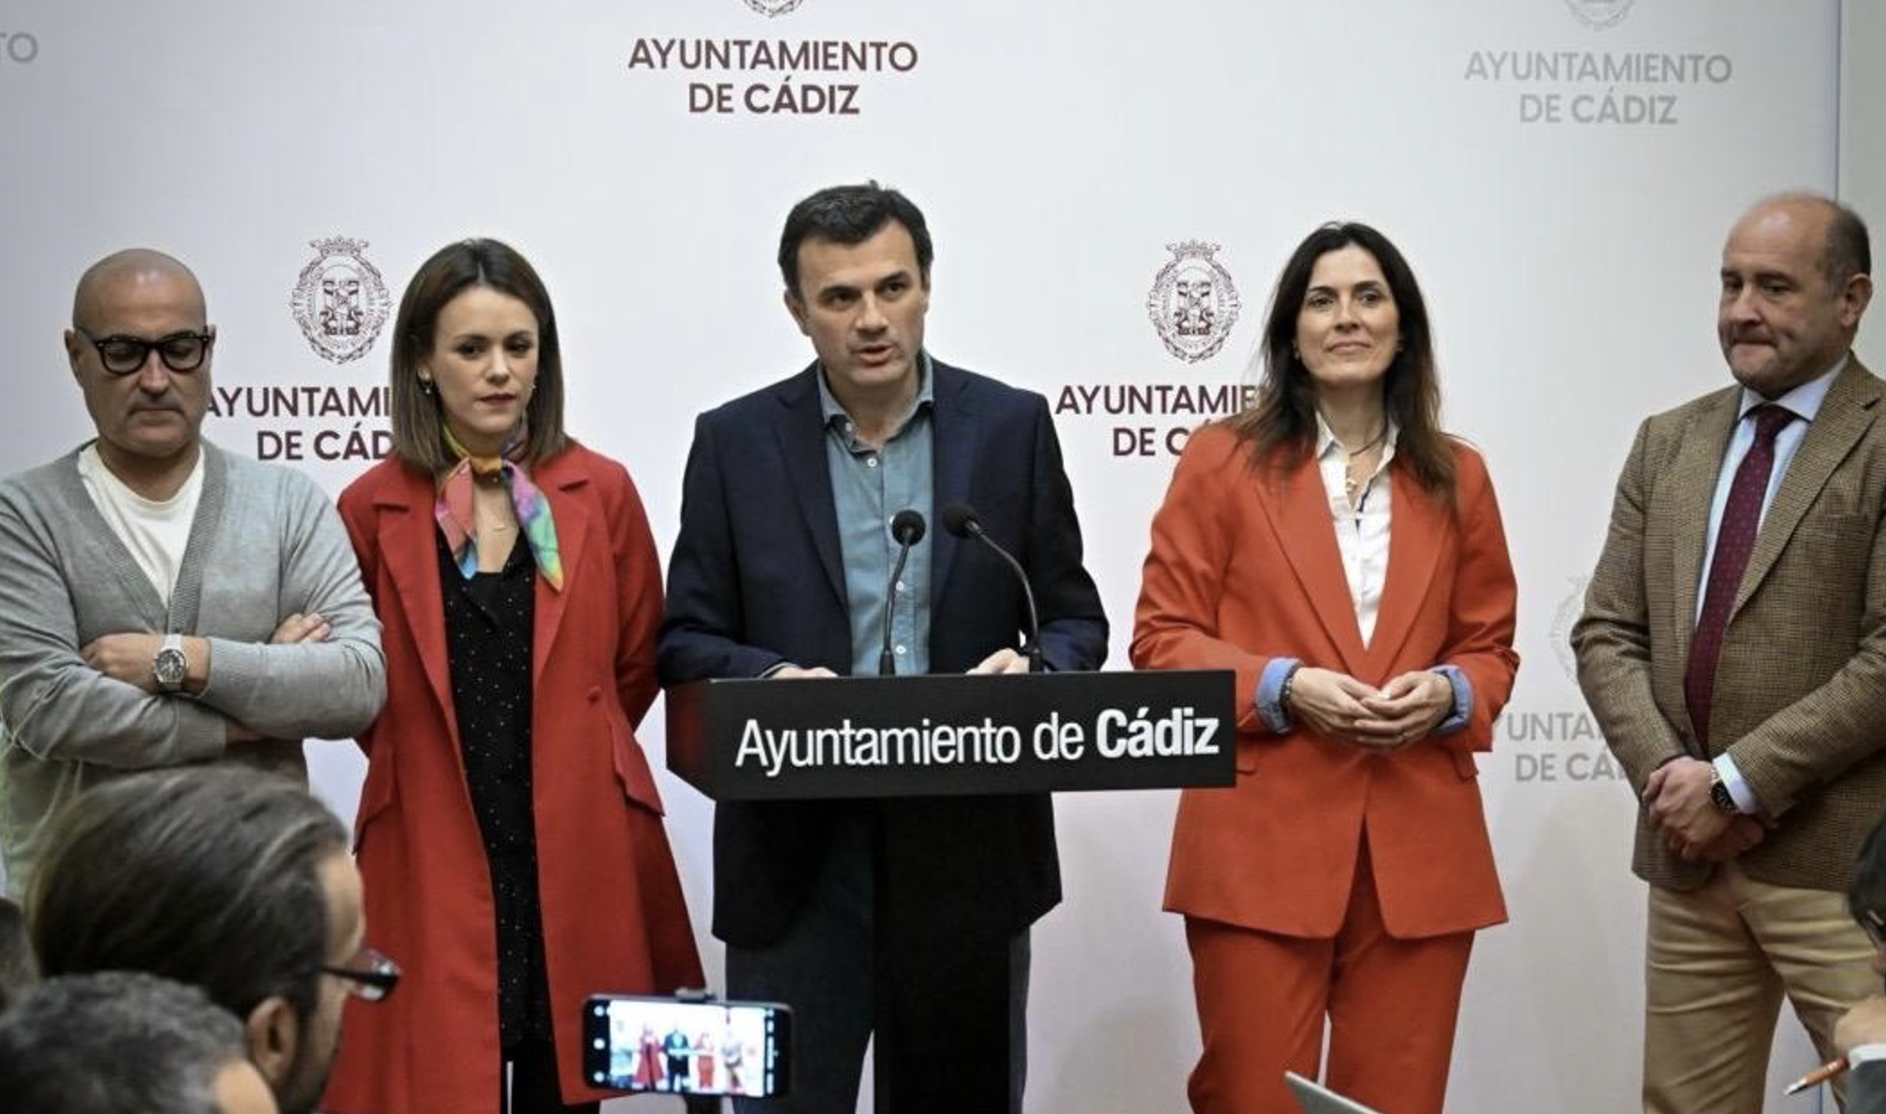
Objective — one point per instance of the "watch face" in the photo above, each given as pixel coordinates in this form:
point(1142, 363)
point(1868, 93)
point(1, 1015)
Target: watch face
point(170, 667)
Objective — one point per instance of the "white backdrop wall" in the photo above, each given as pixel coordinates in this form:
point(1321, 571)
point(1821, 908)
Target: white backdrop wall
point(1863, 129)
point(1561, 173)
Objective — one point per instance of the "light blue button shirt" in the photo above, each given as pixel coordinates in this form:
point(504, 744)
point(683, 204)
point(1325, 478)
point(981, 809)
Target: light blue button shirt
point(869, 486)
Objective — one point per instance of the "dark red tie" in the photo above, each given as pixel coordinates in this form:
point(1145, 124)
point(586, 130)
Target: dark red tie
point(1735, 539)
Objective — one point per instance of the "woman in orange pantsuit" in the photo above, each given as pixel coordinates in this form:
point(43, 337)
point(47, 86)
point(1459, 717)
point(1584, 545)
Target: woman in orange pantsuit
point(1345, 558)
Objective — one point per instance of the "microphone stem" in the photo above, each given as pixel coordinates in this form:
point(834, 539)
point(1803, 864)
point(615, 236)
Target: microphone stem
point(887, 661)
point(1031, 646)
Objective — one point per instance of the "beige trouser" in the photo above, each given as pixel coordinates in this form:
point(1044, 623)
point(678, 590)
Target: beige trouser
point(1719, 959)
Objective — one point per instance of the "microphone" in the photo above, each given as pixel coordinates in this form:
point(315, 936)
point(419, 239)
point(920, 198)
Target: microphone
point(907, 529)
point(961, 520)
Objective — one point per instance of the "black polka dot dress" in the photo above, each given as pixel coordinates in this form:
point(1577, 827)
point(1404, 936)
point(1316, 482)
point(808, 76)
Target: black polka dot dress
point(488, 622)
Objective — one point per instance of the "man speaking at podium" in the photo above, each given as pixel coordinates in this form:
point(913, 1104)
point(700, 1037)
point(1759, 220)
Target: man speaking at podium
point(910, 917)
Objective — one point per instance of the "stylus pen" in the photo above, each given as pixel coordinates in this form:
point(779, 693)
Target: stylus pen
point(1818, 1076)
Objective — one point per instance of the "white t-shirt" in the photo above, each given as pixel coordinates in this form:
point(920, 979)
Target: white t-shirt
point(155, 533)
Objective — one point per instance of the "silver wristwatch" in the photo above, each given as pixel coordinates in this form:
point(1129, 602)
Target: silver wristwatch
point(170, 665)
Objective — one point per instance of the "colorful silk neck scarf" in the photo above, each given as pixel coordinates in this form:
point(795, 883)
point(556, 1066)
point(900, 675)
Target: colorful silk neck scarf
point(457, 520)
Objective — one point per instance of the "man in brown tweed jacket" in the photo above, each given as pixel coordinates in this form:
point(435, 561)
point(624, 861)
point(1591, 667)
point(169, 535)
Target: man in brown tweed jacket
point(1733, 649)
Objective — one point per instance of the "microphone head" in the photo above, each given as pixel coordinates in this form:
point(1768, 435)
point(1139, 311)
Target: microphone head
point(961, 521)
point(907, 527)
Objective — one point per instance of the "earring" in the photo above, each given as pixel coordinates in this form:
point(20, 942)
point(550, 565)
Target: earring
point(425, 385)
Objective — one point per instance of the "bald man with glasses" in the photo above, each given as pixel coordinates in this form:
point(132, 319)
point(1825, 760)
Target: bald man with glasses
point(167, 602)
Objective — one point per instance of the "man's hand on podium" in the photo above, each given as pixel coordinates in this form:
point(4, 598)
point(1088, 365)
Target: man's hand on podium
point(1002, 661)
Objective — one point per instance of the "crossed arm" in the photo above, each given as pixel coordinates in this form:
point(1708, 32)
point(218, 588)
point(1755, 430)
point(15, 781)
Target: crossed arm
point(320, 674)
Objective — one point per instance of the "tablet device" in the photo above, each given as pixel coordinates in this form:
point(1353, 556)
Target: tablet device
point(1315, 1098)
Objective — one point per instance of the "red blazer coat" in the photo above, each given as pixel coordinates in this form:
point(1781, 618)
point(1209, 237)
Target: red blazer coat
point(614, 916)
point(1244, 569)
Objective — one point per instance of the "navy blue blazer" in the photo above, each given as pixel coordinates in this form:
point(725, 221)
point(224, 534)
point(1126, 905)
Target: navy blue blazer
point(756, 579)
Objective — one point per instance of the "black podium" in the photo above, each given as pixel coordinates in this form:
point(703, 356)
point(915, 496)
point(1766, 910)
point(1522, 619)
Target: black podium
point(952, 735)
point(862, 739)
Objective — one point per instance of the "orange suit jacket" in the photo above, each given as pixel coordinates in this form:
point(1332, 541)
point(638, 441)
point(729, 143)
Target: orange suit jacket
point(613, 912)
point(1245, 568)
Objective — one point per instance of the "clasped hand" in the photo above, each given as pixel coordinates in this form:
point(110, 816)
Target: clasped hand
point(1403, 711)
point(1676, 801)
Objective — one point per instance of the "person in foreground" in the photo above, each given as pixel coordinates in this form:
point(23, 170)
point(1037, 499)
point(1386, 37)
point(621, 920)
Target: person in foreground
point(225, 878)
point(1733, 651)
point(1860, 1034)
point(125, 1042)
point(1345, 558)
point(18, 969)
point(910, 918)
point(509, 830)
point(166, 602)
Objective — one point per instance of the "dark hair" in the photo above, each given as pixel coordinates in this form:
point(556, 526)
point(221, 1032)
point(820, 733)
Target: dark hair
point(210, 876)
point(1280, 426)
point(115, 1041)
point(1848, 252)
point(418, 437)
point(17, 969)
point(850, 215)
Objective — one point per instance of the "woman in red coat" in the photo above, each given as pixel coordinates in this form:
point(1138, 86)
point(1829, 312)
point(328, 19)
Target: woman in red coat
point(509, 834)
point(1345, 557)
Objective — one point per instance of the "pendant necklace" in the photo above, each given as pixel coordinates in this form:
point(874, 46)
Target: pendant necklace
point(1350, 485)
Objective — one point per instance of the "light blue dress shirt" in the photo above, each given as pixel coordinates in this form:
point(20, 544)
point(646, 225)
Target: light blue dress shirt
point(869, 486)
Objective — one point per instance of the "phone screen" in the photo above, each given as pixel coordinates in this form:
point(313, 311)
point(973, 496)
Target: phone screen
point(638, 1043)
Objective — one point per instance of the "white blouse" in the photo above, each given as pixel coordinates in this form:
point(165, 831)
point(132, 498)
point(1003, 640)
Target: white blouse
point(1361, 529)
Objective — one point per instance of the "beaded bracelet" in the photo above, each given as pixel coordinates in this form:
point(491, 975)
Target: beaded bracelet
point(1283, 692)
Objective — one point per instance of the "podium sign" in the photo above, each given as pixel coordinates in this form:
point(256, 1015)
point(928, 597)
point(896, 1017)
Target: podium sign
point(952, 734)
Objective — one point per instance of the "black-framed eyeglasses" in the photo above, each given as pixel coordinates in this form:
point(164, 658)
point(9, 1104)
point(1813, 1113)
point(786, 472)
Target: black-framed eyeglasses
point(182, 351)
point(372, 980)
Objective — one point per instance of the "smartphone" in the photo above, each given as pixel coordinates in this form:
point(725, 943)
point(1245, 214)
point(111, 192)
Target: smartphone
point(637, 1042)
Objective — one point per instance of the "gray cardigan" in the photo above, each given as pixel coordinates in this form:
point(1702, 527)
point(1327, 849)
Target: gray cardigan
point(265, 543)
